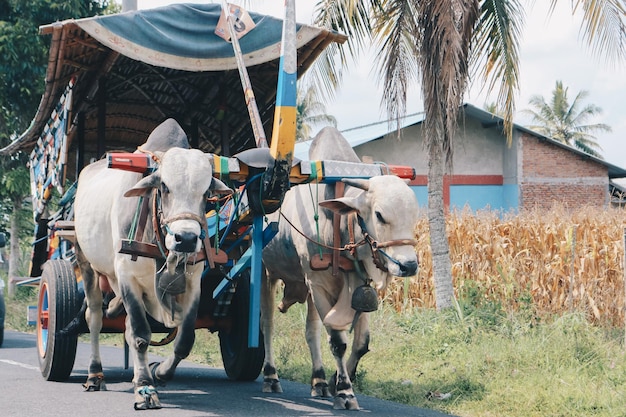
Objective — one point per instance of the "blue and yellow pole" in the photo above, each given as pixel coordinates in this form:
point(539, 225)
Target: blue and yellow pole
point(284, 130)
point(276, 177)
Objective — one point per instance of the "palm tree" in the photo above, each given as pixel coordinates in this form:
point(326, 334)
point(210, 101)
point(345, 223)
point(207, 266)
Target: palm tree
point(567, 122)
point(310, 112)
point(438, 41)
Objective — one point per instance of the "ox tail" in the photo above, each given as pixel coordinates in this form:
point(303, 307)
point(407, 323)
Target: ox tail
point(78, 325)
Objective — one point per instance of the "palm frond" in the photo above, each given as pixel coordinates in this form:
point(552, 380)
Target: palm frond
point(352, 18)
point(565, 122)
point(445, 38)
point(310, 112)
point(604, 26)
point(496, 53)
point(396, 33)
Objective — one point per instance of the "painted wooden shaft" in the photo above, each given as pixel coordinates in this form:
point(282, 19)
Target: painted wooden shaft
point(284, 130)
point(303, 172)
point(253, 110)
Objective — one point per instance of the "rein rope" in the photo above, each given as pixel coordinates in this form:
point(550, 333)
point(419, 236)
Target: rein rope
point(377, 246)
point(347, 247)
point(159, 222)
point(156, 215)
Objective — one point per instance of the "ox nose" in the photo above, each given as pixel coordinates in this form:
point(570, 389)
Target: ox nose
point(408, 268)
point(186, 241)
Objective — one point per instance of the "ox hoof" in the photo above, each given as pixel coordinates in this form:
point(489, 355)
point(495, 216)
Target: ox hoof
point(95, 383)
point(147, 398)
point(272, 385)
point(320, 390)
point(345, 402)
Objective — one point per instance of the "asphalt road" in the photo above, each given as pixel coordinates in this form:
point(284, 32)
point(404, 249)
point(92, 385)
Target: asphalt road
point(195, 391)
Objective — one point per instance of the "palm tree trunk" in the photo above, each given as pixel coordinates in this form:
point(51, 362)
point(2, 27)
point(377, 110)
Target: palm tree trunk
point(440, 249)
point(445, 38)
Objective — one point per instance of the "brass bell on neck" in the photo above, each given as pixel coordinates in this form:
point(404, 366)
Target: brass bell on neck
point(365, 299)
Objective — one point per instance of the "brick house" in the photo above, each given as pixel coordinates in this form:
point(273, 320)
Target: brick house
point(535, 171)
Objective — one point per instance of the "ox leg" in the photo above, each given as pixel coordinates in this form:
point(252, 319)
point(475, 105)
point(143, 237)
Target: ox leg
point(183, 343)
point(319, 384)
point(271, 382)
point(93, 316)
point(360, 344)
point(344, 394)
point(138, 334)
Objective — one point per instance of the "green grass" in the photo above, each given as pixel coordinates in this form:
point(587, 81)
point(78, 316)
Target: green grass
point(492, 362)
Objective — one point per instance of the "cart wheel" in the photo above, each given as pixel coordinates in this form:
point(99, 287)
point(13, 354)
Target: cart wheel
point(58, 304)
point(241, 362)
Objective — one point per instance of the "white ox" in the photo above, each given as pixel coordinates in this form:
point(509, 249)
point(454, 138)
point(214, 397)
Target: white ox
point(169, 290)
point(387, 209)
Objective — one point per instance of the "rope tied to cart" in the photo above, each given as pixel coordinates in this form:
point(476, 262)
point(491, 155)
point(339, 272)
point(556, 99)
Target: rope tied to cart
point(152, 155)
point(351, 247)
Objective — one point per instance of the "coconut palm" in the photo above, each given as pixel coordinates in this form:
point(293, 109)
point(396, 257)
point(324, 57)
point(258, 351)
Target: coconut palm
point(310, 112)
point(437, 41)
point(567, 122)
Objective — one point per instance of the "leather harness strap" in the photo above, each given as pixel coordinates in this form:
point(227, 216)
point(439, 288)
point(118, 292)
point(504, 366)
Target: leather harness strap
point(143, 219)
point(206, 240)
point(339, 189)
point(207, 246)
point(183, 216)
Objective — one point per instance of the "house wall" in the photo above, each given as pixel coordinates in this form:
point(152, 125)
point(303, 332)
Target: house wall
point(488, 173)
point(477, 150)
point(552, 174)
point(478, 165)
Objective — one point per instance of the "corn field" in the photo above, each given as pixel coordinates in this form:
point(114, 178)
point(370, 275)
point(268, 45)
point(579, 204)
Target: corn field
point(557, 261)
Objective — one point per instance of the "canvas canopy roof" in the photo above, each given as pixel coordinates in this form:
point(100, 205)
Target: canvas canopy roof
point(133, 70)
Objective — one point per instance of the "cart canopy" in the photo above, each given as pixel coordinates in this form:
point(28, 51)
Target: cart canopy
point(130, 71)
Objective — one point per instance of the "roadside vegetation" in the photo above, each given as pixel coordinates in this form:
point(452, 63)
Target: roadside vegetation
point(537, 329)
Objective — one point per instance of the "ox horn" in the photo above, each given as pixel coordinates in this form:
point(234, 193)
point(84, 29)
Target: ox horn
point(357, 182)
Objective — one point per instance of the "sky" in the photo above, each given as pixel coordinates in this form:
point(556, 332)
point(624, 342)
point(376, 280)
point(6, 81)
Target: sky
point(551, 49)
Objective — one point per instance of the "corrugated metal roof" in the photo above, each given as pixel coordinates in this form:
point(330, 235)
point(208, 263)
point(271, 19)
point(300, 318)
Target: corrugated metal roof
point(488, 118)
point(362, 134)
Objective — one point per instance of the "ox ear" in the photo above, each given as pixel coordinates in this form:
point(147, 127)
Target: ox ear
point(144, 186)
point(343, 205)
point(218, 187)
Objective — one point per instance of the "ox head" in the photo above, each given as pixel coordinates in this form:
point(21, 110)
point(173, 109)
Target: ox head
point(184, 179)
point(388, 210)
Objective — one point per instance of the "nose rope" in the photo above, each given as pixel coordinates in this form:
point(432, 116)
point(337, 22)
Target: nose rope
point(377, 246)
point(157, 212)
point(183, 216)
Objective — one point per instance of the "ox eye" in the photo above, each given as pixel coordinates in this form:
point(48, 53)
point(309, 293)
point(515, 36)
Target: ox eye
point(380, 217)
point(164, 188)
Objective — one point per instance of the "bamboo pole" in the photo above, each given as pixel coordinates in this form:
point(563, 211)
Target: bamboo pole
point(253, 110)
